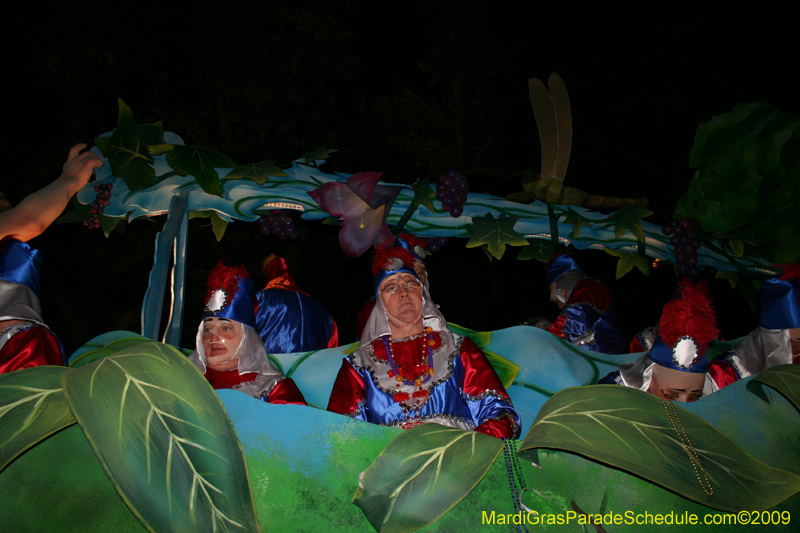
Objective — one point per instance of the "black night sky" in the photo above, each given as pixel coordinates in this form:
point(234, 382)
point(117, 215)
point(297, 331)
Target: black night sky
point(410, 90)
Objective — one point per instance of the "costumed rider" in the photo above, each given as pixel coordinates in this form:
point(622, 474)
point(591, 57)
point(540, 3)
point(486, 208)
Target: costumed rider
point(676, 366)
point(587, 317)
point(411, 369)
point(777, 339)
point(288, 320)
point(25, 340)
point(229, 351)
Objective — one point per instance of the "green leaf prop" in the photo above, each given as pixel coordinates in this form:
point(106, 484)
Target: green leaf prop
point(748, 180)
point(628, 260)
point(784, 379)
point(631, 430)
point(538, 249)
point(32, 407)
point(107, 224)
point(218, 224)
point(79, 214)
point(164, 440)
point(105, 345)
point(258, 172)
point(423, 194)
point(496, 234)
point(480, 338)
point(422, 474)
point(127, 149)
point(200, 162)
point(629, 218)
point(577, 222)
point(319, 153)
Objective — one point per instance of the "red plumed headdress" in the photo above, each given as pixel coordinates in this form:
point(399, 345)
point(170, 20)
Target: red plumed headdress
point(691, 315)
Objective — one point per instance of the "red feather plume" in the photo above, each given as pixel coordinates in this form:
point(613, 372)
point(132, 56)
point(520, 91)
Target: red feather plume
point(384, 255)
point(226, 278)
point(414, 241)
point(691, 315)
point(791, 271)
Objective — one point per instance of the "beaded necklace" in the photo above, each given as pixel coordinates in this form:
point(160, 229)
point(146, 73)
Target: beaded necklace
point(425, 373)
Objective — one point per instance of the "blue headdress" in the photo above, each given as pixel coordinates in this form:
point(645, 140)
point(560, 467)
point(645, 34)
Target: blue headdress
point(230, 295)
point(399, 258)
point(559, 264)
point(780, 300)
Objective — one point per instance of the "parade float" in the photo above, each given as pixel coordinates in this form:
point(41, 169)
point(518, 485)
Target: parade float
point(131, 437)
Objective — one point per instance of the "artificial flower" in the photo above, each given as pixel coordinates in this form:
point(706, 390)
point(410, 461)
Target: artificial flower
point(363, 207)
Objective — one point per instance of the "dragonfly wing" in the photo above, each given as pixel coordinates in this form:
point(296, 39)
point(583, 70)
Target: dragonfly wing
point(546, 122)
point(560, 98)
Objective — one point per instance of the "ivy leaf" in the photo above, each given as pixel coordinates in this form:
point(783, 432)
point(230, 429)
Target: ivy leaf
point(423, 473)
point(201, 163)
point(577, 222)
point(737, 245)
point(538, 249)
point(218, 224)
point(258, 172)
point(628, 260)
point(332, 221)
point(319, 153)
point(423, 193)
point(165, 440)
point(496, 234)
point(629, 218)
point(638, 432)
point(32, 407)
point(784, 379)
point(108, 224)
point(127, 149)
point(732, 277)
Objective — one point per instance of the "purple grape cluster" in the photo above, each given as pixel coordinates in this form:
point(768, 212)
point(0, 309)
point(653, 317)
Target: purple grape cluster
point(278, 223)
point(435, 244)
point(452, 190)
point(102, 199)
point(685, 244)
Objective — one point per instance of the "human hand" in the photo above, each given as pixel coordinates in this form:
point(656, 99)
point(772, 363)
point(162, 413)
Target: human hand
point(79, 167)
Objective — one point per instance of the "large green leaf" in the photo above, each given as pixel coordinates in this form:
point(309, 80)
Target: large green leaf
point(127, 149)
point(105, 345)
point(218, 224)
point(258, 172)
point(480, 338)
point(32, 407)
point(495, 233)
point(164, 439)
point(422, 474)
point(784, 379)
point(631, 430)
point(201, 163)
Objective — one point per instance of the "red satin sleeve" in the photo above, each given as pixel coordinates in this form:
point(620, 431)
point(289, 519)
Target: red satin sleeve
point(556, 328)
point(722, 373)
point(333, 342)
point(35, 346)
point(286, 392)
point(499, 429)
point(348, 391)
point(479, 375)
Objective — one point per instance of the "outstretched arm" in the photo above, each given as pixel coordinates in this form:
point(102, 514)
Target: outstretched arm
point(39, 209)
